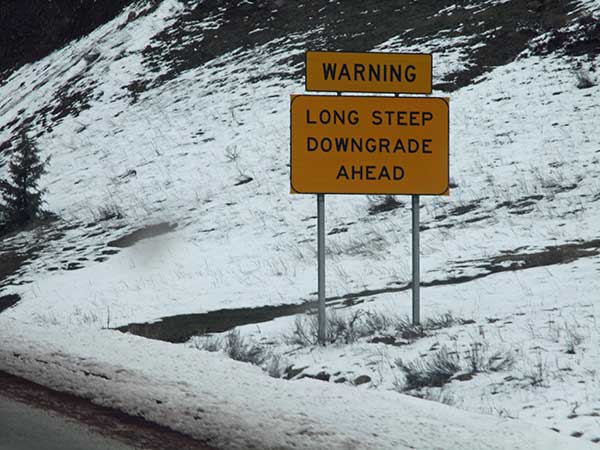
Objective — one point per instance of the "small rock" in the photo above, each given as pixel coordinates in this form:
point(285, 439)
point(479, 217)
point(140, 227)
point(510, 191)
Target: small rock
point(243, 180)
point(463, 377)
point(290, 372)
point(362, 379)
point(322, 376)
point(388, 340)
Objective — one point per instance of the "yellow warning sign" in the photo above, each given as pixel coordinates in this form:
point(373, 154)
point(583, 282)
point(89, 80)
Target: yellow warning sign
point(409, 73)
point(369, 145)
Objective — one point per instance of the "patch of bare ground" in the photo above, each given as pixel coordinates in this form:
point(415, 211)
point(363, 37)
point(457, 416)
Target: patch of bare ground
point(18, 247)
point(507, 261)
point(559, 254)
point(10, 263)
point(492, 34)
point(8, 301)
point(147, 232)
point(182, 327)
point(580, 38)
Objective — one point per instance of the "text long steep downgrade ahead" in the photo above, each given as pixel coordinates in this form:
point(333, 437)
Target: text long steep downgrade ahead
point(369, 145)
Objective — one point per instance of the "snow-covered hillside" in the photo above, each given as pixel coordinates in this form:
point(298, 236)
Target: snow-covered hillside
point(169, 135)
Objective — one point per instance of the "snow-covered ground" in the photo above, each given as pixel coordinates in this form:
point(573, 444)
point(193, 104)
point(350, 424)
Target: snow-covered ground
point(542, 319)
point(233, 405)
point(207, 153)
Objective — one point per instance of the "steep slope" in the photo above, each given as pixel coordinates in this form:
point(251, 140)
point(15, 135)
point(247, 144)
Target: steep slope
point(137, 126)
point(168, 129)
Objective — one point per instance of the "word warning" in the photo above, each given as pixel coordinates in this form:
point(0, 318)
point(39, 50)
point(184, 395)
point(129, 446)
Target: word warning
point(369, 145)
point(368, 72)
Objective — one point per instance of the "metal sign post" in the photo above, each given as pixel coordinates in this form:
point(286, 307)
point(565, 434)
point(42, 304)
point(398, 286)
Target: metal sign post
point(367, 144)
point(416, 319)
point(322, 325)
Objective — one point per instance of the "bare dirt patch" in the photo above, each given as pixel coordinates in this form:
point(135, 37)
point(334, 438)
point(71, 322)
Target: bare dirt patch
point(7, 301)
point(147, 232)
point(493, 34)
point(182, 327)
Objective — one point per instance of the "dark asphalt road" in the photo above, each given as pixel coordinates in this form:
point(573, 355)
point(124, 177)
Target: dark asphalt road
point(24, 427)
point(33, 417)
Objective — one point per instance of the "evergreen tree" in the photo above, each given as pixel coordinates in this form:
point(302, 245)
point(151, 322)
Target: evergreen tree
point(22, 199)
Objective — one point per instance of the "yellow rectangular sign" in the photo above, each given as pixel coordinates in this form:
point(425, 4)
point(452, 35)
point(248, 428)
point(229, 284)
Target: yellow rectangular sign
point(369, 145)
point(408, 73)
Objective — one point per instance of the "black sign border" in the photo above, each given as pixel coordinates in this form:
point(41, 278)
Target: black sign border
point(369, 53)
point(446, 191)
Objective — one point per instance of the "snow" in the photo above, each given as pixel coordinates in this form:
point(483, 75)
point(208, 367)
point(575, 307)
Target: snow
point(224, 254)
point(532, 315)
point(590, 6)
point(524, 156)
point(235, 406)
